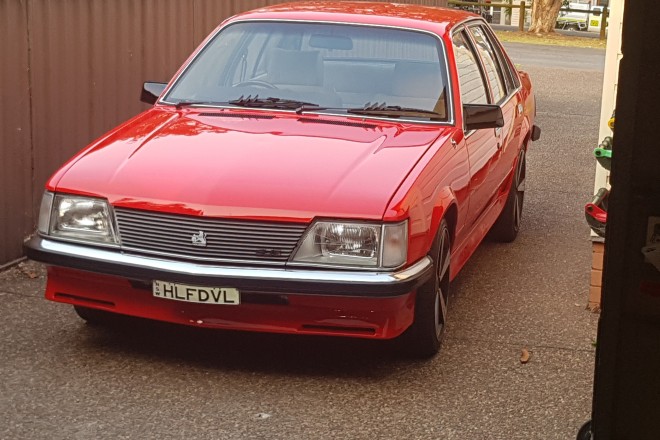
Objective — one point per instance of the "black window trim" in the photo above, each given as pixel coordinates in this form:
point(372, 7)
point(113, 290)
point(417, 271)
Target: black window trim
point(517, 84)
point(484, 77)
point(505, 97)
point(463, 28)
point(504, 59)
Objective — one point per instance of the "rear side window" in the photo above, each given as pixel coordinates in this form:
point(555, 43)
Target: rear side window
point(470, 79)
point(508, 69)
point(491, 65)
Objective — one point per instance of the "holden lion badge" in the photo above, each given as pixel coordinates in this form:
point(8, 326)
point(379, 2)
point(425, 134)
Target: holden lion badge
point(199, 239)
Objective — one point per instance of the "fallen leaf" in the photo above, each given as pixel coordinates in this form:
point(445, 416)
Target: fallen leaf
point(525, 355)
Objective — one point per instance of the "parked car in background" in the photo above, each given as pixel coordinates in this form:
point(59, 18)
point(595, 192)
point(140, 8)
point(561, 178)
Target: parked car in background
point(589, 20)
point(484, 11)
point(316, 168)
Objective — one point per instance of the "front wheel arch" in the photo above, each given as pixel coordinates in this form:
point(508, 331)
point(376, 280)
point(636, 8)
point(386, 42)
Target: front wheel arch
point(445, 208)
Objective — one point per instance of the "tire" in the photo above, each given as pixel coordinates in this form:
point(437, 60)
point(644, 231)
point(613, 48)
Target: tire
point(507, 225)
point(424, 337)
point(585, 432)
point(93, 316)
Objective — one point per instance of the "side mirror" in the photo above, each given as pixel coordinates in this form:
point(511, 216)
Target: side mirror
point(151, 91)
point(478, 116)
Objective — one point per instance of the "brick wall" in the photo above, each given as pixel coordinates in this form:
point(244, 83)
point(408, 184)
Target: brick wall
point(596, 283)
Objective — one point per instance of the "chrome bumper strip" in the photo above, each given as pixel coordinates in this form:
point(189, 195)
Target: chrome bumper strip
point(303, 281)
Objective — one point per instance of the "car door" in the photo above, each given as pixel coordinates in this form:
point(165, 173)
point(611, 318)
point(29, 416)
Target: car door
point(482, 145)
point(501, 94)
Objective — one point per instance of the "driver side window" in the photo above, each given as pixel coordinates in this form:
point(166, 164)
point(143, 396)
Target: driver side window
point(470, 79)
point(490, 63)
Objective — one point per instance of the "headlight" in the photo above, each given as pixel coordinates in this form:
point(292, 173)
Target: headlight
point(354, 244)
point(77, 218)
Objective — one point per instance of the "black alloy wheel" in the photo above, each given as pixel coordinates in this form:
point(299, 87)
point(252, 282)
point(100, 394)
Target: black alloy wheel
point(519, 193)
point(442, 282)
point(424, 337)
point(507, 225)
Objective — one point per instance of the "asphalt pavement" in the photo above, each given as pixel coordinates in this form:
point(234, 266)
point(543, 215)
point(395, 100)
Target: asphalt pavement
point(558, 57)
point(63, 379)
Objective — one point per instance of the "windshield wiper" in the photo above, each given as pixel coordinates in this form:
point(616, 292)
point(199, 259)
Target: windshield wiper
point(277, 103)
point(377, 109)
point(313, 107)
point(383, 109)
point(191, 103)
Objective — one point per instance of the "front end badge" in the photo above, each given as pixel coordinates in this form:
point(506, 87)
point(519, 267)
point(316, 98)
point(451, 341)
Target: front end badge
point(199, 239)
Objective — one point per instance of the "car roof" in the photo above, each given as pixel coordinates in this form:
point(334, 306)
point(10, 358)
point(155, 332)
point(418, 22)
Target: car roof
point(429, 18)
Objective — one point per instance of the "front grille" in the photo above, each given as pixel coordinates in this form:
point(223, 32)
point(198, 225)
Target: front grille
point(237, 241)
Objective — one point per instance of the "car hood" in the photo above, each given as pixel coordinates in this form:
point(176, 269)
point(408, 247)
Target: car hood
point(229, 163)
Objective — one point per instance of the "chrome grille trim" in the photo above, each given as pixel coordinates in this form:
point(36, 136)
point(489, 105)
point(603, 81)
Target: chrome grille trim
point(229, 241)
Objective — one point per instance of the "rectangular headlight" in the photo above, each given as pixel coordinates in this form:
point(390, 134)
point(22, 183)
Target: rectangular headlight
point(82, 218)
point(335, 243)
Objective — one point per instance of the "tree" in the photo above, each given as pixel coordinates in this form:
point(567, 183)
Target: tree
point(544, 15)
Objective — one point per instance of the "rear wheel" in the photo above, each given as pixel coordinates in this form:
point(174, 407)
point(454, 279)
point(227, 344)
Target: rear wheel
point(424, 337)
point(507, 225)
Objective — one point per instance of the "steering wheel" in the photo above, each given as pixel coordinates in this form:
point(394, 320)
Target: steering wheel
point(256, 83)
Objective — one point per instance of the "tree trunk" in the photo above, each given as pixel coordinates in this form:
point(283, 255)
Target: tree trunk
point(544, 15)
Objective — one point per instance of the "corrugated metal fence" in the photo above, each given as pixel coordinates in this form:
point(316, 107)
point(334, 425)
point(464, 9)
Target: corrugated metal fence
point(71, 70)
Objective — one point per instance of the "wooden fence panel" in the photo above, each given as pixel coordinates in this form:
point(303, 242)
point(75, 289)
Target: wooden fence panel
point(16, 204)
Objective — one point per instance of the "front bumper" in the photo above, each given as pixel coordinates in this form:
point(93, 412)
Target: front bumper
point(346, 316)
point(298, 281)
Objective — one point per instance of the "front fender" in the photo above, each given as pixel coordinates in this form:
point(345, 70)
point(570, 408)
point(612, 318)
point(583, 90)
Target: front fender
point(425, 216)
point(439, 180)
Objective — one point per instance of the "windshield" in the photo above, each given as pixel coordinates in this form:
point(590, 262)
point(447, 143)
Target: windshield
point(338, 67)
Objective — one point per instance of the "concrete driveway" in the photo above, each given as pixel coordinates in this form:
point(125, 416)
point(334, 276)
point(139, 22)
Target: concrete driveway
point(62, 379)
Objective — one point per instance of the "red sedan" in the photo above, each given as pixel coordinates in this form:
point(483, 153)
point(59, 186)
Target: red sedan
point(313, 168)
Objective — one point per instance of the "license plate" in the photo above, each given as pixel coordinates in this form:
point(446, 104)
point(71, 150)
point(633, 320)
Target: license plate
point(196, 294)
